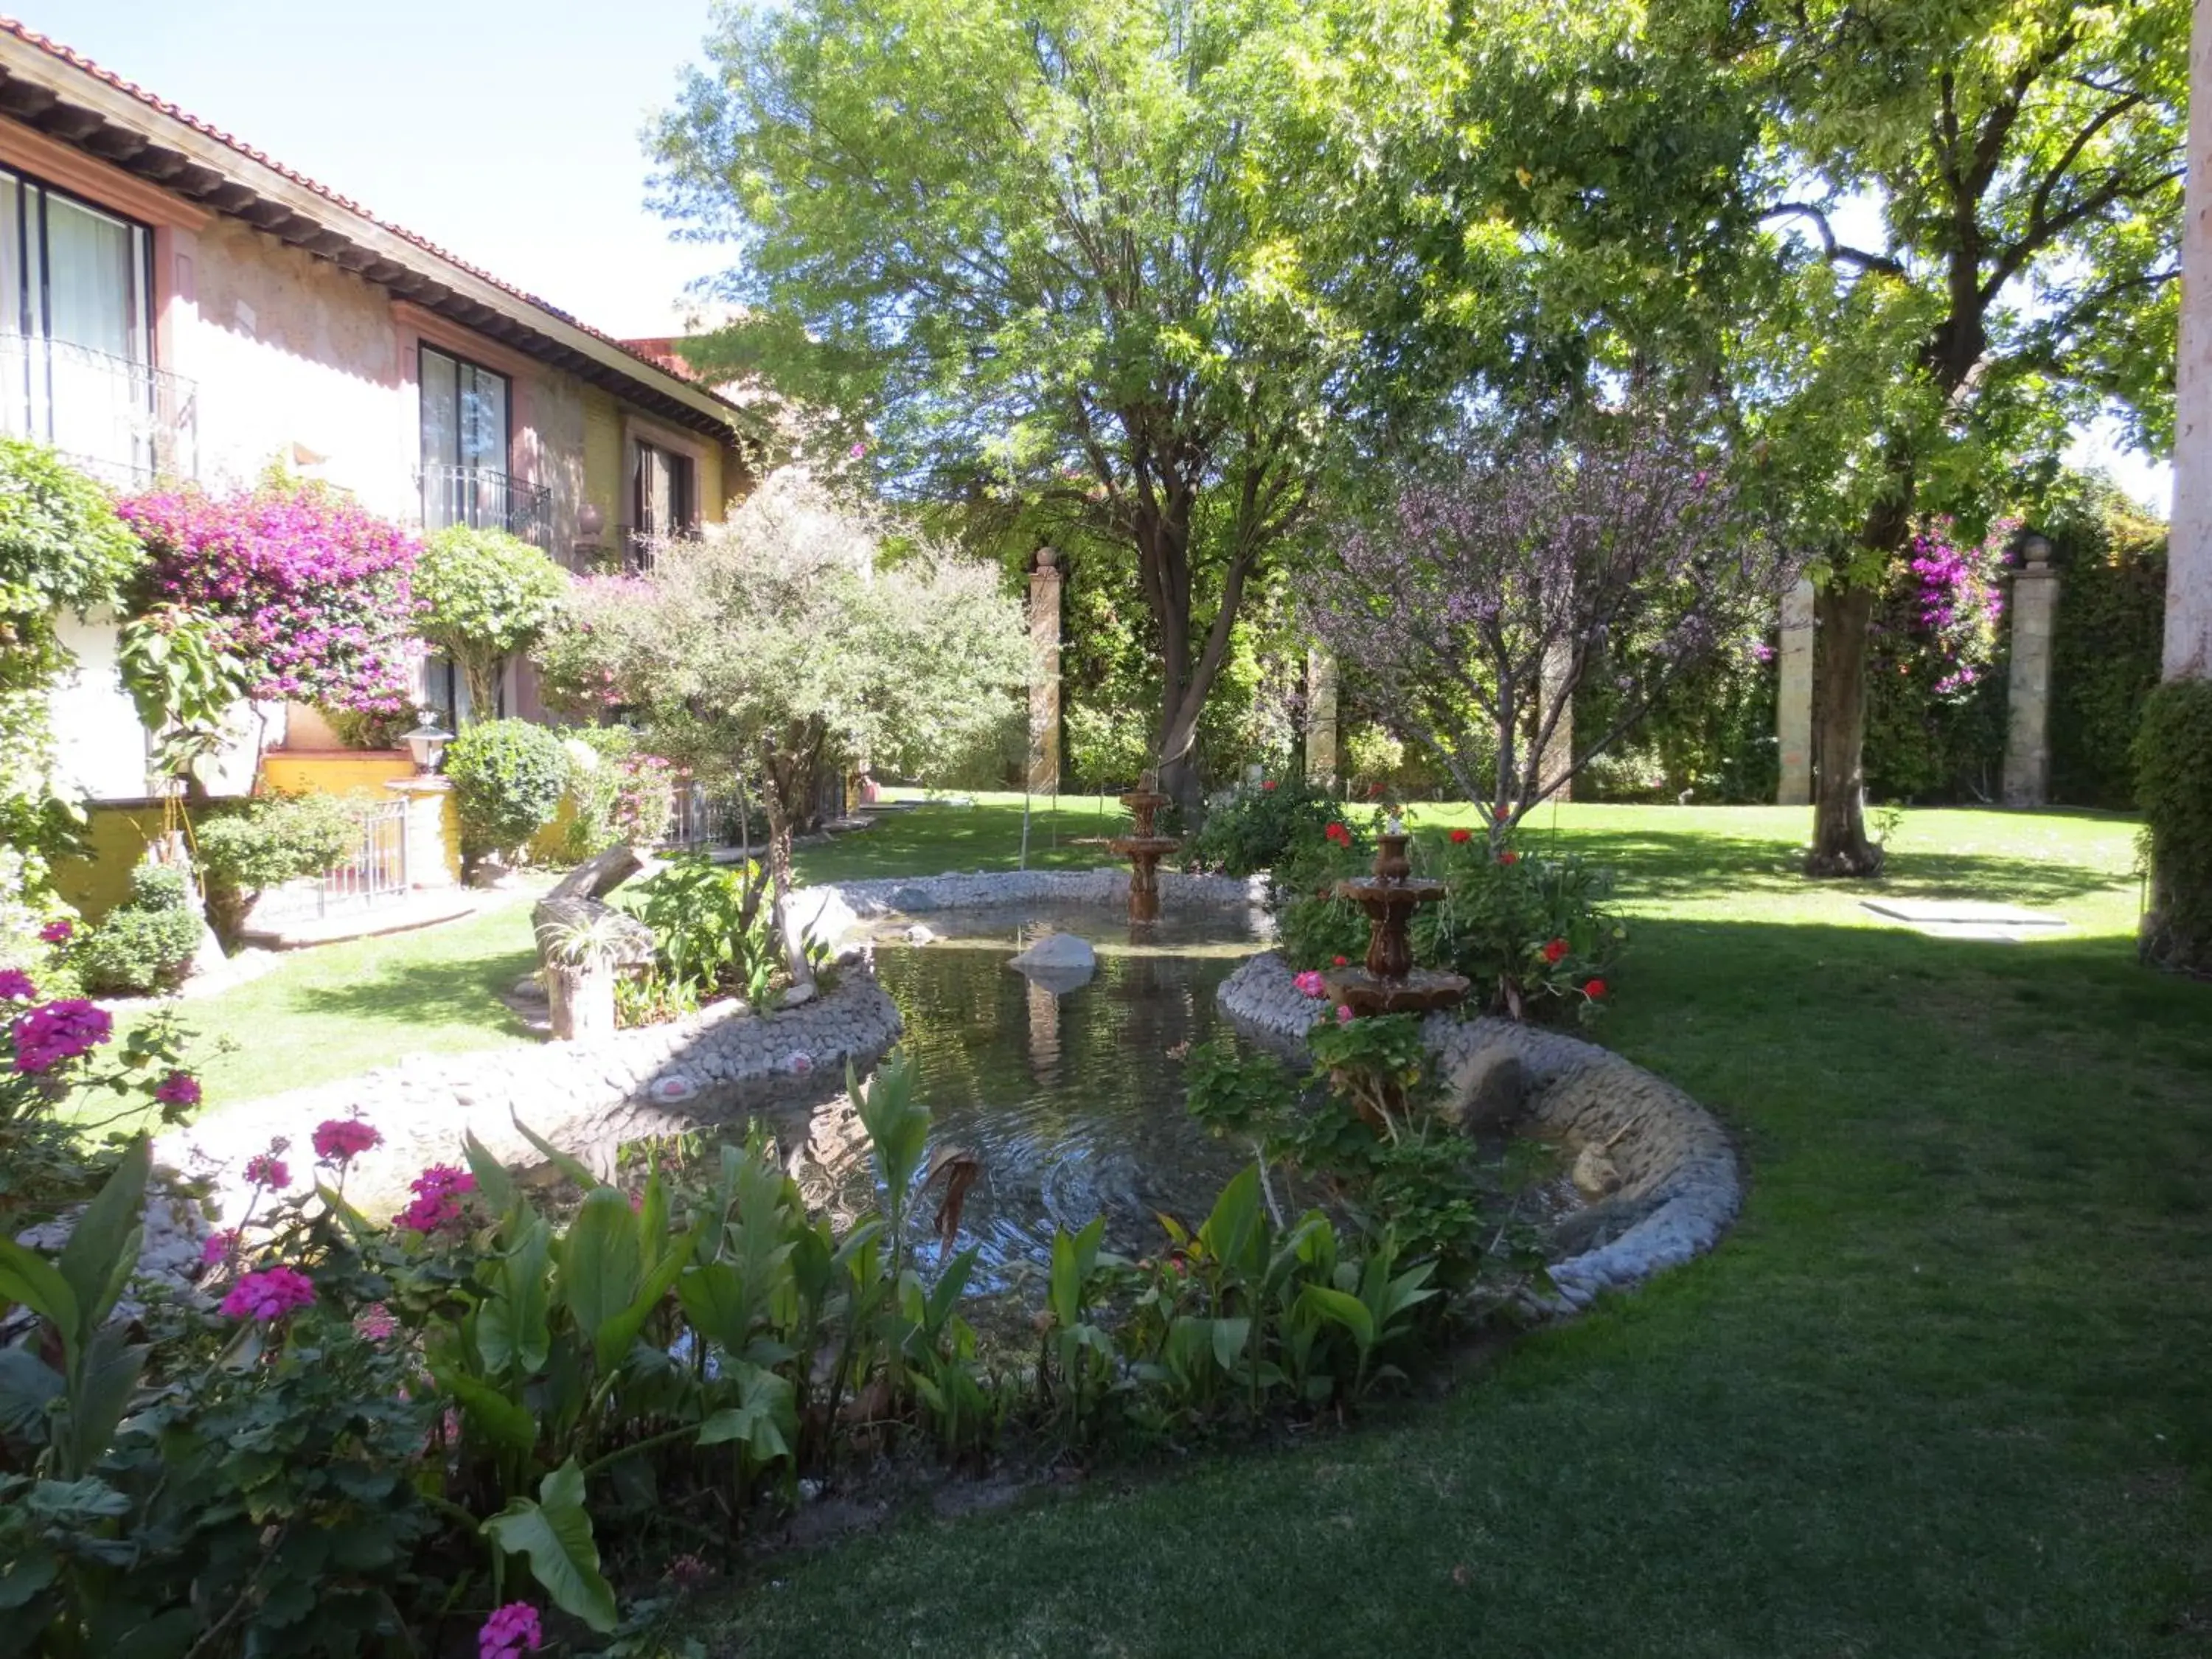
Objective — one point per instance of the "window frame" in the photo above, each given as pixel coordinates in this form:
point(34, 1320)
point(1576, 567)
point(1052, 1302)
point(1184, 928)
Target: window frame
point(683, 476)
point(461, 360)
point(144, 323)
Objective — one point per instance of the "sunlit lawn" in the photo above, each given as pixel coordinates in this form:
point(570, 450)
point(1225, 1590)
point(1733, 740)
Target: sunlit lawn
point(1945, 1390)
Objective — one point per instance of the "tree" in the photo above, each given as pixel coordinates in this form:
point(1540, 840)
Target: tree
point(1054, 251)
point(1982, 201)
point(783, 641)
point(485, 595)
point(1500, 573)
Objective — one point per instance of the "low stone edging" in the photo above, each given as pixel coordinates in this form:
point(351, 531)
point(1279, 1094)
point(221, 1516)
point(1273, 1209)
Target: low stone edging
point(1680, 1186)
point(585, 1098)
point(1106, 884)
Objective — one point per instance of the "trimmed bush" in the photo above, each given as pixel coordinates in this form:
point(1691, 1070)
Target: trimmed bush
point(508, 778)
point(2111, 636)
point(272, 840)
point(485, 595)
point(1258, 829)
point(2174, 782)
point(145, 945)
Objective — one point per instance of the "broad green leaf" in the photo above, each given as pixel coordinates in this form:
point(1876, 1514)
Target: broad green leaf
point(498, 1419)
point(611, 1343)
point(100, 1392)
point(1234, 1234)
point(1229, 1339)
point(511, 1325)
point(493, 1179)
point(562, 1161)
point(1340, 1309)
point(28, 1385)
point(555, 1534)
point(601, 1263)
point(102, 1251)
point(29, 1279)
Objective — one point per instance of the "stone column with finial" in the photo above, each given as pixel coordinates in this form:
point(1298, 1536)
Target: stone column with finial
point(1322, 745)
point(2034, 626)
point(1045, 583)
point(1793, 697)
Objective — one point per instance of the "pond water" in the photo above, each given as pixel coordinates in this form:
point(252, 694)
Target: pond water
point(1072, 1103)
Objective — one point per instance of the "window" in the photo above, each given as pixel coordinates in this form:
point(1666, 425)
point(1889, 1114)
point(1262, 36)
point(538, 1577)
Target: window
point(664, 499)
point(76, 334)
point(464, 438)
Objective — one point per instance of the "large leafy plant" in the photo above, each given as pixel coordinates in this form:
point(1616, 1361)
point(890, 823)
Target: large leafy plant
point(508, 778)
point(485, 595)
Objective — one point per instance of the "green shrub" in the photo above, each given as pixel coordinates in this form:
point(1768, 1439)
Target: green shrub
point(1531, 933)
point(616, 794)
point(2108, 638)
point(508, 778)
point(2174, 782)
point(485, 595)
point(1259, 829)
point(712, 925)
point(145, 945)
point(268, 842)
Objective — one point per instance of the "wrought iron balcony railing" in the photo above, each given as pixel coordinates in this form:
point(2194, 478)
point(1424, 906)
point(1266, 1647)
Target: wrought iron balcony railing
point(484, 500)
point(121, 420)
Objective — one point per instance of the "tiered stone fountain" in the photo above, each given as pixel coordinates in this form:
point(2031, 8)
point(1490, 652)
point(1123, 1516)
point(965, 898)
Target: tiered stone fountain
point(1387, 982)
point(1144, 848)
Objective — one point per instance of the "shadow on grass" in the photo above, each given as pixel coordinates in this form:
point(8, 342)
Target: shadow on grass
point(462, 991)
point(1657, 865)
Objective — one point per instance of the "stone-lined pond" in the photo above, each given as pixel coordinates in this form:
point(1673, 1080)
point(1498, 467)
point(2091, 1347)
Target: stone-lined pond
point(1073, 1102)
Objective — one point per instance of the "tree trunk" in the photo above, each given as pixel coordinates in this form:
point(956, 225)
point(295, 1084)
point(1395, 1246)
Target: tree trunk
point(1840, 846)
point(779, 880)
point(480, 675)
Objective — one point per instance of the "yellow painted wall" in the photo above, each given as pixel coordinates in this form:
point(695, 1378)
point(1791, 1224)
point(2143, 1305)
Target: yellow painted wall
point(118, 836)
point(334, 772)
point(710, 484)
point(602, 460)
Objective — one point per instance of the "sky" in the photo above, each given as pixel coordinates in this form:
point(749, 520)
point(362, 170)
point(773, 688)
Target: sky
point(507, 131)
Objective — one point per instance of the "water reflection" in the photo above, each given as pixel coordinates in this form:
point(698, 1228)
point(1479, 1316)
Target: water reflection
point(1074, 1102)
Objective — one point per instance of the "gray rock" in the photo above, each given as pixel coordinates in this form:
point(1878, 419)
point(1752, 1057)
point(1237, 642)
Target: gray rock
point(1489, 1091)
point(1597, 1175)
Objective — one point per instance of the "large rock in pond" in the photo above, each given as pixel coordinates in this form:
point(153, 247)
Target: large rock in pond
point(1489, 1089)
point(1060, 962)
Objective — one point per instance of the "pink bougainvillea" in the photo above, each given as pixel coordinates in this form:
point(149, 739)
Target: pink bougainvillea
point(306, 586)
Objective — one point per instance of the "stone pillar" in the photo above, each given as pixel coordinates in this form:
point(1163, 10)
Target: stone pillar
point(2027, 730)
point(433, 831)
point(2188, 560)
point(1560, 753)
point(1322, 747)
point(1793, 698)
point(1045, 580)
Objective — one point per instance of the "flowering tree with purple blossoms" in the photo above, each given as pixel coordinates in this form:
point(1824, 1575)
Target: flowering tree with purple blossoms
point(307, 589)
point(1476, 602)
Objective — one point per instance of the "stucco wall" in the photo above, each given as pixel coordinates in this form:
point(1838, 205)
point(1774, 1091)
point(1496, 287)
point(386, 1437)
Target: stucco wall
point(292, 351)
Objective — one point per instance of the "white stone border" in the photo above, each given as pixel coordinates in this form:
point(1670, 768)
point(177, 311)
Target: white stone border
point(1682, 1187)
point(584, 1097)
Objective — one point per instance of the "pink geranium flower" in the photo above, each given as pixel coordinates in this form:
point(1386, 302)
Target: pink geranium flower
point(58, 931)
point(1343, 1014)
point(269, 1295)
point(58, 1031)
point(511, 1629)
point(1311, 983)
point(438, 1194)
point(267, 1170)
point(15, 985)
point(342, 1139)
point(177, 1089)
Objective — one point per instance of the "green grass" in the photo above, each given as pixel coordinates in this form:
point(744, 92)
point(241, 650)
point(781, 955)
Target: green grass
point(1942, 1392)
point(338, 1010)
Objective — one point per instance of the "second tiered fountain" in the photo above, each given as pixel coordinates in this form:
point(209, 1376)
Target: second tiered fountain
point(1144, 848)
point(1387, 982)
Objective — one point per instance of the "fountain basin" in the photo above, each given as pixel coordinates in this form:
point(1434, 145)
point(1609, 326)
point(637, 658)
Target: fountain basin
point(1421, 991)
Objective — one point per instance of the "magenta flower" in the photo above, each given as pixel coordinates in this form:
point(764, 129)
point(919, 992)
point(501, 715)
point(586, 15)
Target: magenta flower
point(1311, 983)
point(269, 1295)
point(511, 1629)
point(438, 1194)
point(58, 932)
point(342, 1139)
point(375, 1322)
point(177, 1089)
point(217, 1248)
point(1343, 1014)
point(15, 985)
point(267, 1170)
point(58, 1032)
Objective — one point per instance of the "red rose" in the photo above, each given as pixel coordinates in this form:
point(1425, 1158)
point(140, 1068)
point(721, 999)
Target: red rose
point(1555, 949)
point(1341, 961)
point(1269, 784)
point(1461, 837)
point(1339, 834)
point(1594, 989)
point(1508, 858)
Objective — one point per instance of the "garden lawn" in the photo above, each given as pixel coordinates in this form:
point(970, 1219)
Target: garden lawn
point(338, 1010)
point(1944, 1390)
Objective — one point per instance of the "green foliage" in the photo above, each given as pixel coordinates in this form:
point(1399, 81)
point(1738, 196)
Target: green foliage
point(2109, 636)
point(1709, 737)
point(616, 792)
point(713, 927)
point(485, 595)
point(1261, 828)
point(146, 944)
point(62, 548)
point(508, 777)
point(2174, 782)
point(1530, 930)
point(184, 680)
point(270, 840)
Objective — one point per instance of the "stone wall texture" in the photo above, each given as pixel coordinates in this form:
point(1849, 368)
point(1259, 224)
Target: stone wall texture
point(1680, 1186)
